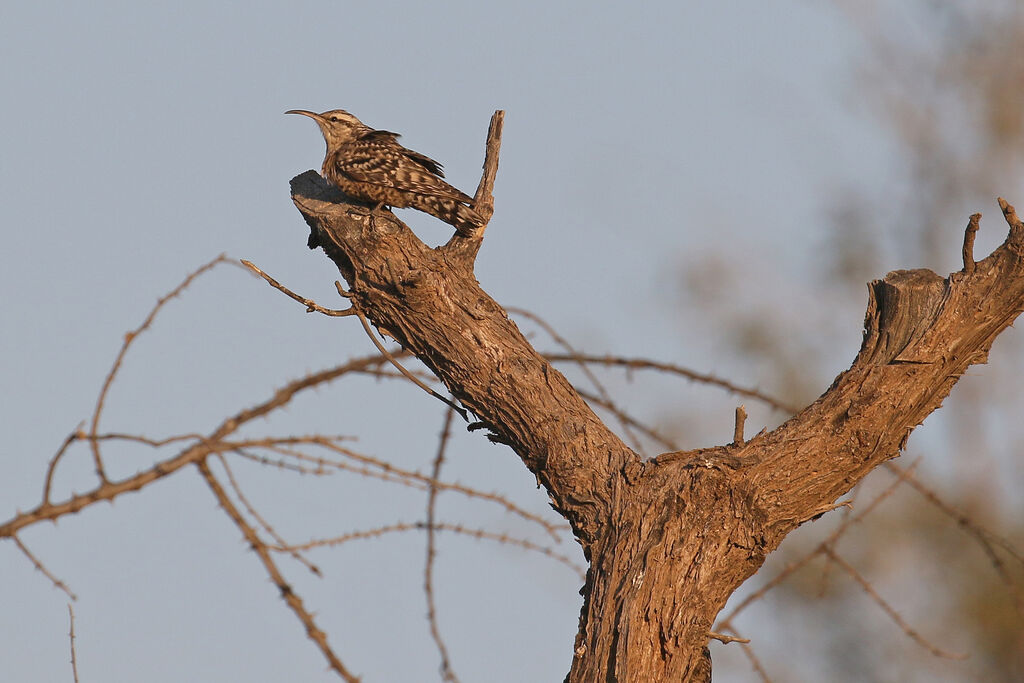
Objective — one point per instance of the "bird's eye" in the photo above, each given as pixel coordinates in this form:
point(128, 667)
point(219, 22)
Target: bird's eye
point(335, 118)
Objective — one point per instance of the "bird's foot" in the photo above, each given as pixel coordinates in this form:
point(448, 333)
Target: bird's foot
point(376, 211)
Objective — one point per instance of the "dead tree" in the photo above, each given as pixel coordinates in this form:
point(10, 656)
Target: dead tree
point(668, 539)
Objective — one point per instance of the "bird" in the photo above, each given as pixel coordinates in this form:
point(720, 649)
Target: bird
point(372, 166)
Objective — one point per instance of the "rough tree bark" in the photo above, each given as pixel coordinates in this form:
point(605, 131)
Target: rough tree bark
point(668, 539)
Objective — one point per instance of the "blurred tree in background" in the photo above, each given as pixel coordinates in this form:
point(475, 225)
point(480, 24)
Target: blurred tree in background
point(950, 97)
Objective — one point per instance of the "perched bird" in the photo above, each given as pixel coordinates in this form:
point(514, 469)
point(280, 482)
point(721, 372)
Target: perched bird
point(370, 165)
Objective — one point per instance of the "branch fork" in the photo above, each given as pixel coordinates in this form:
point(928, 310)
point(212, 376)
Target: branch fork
point(710, 516)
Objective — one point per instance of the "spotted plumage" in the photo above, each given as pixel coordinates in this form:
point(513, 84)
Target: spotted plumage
point(372, 166)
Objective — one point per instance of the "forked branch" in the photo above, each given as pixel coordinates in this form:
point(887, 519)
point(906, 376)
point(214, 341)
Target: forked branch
point(712, 515)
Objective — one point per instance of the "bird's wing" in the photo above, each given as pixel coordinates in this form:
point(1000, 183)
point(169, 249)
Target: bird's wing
point(378, 160)
point(390, 139)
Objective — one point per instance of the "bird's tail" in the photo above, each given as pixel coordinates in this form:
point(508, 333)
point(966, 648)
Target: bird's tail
point(467, 220)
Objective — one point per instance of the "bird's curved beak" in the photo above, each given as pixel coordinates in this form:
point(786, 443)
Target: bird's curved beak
point(313, 115)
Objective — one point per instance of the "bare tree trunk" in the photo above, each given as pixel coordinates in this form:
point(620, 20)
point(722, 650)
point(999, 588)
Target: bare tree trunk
point(669, 539)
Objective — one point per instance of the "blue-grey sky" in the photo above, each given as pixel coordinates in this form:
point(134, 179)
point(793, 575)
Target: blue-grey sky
point(140, 140)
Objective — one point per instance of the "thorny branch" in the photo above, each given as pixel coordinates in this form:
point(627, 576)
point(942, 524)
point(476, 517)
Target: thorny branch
point(987, 540)
point(251, 510)
point(726, 623)
point(71, 640)
point(260, 548)
point(604, 397)
point(128, 339)
point(458, 529)
point(313, 307)
point(670, 368)
point(447, 673)
point(40, 567)
point(391, 472)
point(195, 448)
point(865, 586)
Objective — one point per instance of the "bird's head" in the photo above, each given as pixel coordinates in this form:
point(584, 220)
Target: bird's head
point(337, 125)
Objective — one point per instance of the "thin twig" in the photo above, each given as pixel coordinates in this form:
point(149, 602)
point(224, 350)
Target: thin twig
point(401, 527)
point(283, 463)
point(447, 673)
point(748, 652)
point(79, 435)
point(962, 519)
point(792, 567)
point(390, 472)
point(128, 339)
point(42, 568)
point(755, 663)
point(572, 353)
point(262, 551)
point(644, 364)
point(826, 570)
point(51, 468)
point(985, 538)
point(553, 529)
point(324, 465)
point(71, 638)
point(146, 440)
point(311, 306)
point(893, 614)
point(625, 418)
point(412, 378)
point(727, 639)
point(847, 504)
point(110, 490)
point(259, 518)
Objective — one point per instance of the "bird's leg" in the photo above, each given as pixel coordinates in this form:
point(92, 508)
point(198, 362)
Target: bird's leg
point(374, 212)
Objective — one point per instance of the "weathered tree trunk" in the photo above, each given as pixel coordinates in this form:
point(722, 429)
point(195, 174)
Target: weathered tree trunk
point(668, 539)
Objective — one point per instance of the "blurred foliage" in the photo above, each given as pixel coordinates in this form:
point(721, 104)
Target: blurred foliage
point(942, 81)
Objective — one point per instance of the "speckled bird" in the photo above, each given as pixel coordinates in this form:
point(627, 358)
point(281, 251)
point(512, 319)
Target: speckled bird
point(371, 165)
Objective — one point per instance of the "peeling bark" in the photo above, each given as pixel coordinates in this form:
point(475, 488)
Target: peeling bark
point(669, 539)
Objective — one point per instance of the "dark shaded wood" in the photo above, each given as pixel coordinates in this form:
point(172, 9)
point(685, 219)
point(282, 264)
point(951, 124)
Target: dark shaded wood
point(670, 539)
